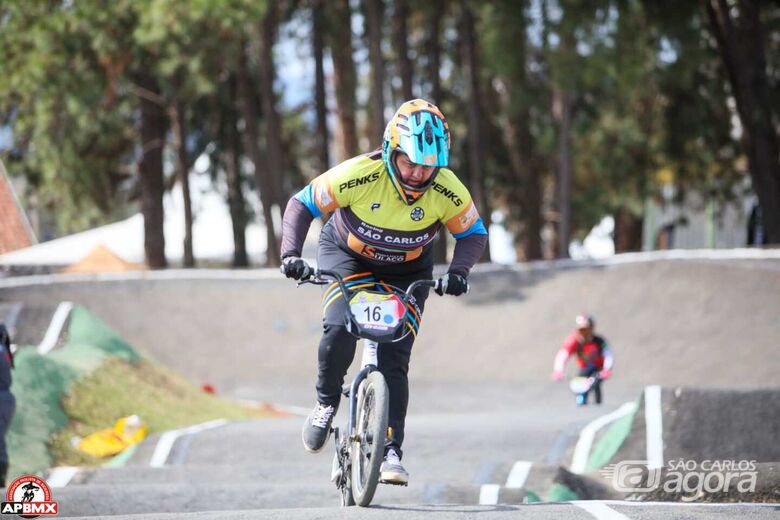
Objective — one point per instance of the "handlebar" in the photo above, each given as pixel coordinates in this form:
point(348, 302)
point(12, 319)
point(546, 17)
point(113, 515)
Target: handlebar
point(319, 273)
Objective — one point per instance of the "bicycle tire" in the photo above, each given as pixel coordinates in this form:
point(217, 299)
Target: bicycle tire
point(371, 428)
point(347, 498)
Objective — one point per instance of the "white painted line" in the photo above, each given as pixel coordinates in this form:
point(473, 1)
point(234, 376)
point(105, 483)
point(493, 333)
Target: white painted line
point(204, 426)
point(582, 449)
point(61, 476)
point(519, 474)
point(599, 510)
point(488, 494)
point(55, 327)
point(167, 440)
point(654, 427)
point(163, 448)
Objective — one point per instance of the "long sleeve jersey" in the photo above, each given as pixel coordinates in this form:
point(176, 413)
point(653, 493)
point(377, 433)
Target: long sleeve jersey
point(372, 222)
point(594, 352)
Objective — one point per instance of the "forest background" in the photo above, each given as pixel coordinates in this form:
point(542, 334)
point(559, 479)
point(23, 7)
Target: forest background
point(561, 111)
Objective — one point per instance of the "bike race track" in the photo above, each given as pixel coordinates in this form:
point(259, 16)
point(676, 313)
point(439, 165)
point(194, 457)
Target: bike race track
point(485, 423)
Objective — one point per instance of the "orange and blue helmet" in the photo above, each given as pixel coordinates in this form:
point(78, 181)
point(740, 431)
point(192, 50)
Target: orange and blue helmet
point(419, 130)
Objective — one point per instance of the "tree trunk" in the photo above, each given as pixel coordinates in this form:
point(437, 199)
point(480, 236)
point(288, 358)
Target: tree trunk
point(176, 117)
point(319, 87)
point(740, 42)
point(475, 116)
point(563, 101)
point(344, 75)
point(271, 118)
point(525, 197)
point(516, 94)
point(231, 158)
point(401, 44)
point(628, 231)
point(252, 147)
point(434, 11)
point(376, 125)
point(533, 193)
point(152, 134)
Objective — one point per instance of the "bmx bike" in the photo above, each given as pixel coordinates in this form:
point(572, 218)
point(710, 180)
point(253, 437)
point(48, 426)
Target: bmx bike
point(580, 386)
point(375, 316)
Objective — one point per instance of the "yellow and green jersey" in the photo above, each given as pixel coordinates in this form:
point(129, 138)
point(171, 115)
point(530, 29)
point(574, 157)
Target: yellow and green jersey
point(371, 220)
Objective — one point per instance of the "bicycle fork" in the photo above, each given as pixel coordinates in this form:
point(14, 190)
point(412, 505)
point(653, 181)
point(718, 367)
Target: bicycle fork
point(370, 362)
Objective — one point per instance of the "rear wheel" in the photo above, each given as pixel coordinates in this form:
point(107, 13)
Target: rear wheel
point(371, 429)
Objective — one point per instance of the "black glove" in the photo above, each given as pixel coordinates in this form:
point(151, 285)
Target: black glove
point(296, 267)
point(453, 284)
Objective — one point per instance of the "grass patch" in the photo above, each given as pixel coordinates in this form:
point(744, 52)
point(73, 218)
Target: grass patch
point(118, 387)
point(89, 383)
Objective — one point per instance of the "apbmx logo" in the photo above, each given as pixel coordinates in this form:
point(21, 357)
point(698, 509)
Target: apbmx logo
point(29, 497)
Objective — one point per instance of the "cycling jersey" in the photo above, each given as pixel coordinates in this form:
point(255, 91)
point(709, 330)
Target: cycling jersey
point(590, 353)
point(373, 223)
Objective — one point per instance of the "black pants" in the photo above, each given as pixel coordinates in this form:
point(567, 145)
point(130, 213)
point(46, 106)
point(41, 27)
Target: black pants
point(337, 346)
point(596, 388)
point(7, 408)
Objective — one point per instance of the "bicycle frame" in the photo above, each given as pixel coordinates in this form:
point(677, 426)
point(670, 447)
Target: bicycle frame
point(367, 368)
point(386, 321)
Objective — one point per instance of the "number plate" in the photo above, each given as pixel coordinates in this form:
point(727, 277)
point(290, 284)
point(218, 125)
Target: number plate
point(377, 311)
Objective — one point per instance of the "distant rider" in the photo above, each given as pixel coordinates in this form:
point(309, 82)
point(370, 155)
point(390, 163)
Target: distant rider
point(593, 356)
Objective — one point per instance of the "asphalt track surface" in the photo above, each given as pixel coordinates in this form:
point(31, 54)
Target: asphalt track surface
point(481, 399)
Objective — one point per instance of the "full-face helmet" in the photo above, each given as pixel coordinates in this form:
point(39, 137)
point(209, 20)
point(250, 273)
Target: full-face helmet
point(584, 324)
point(419, 130)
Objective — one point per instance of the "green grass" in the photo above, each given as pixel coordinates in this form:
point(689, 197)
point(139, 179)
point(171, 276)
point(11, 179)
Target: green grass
point(162, 400)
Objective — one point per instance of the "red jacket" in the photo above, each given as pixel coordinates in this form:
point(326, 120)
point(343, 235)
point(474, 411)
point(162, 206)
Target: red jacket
point(589, 352)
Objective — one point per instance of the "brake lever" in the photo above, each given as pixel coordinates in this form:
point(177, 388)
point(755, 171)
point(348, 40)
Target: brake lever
point(313, 281)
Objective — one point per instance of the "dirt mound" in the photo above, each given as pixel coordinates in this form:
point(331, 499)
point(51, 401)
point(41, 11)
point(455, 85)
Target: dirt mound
point(102, 260)
point(712, 424)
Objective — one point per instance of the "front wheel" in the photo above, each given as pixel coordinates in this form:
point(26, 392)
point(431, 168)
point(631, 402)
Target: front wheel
point(347, 498)
point(373, 406)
